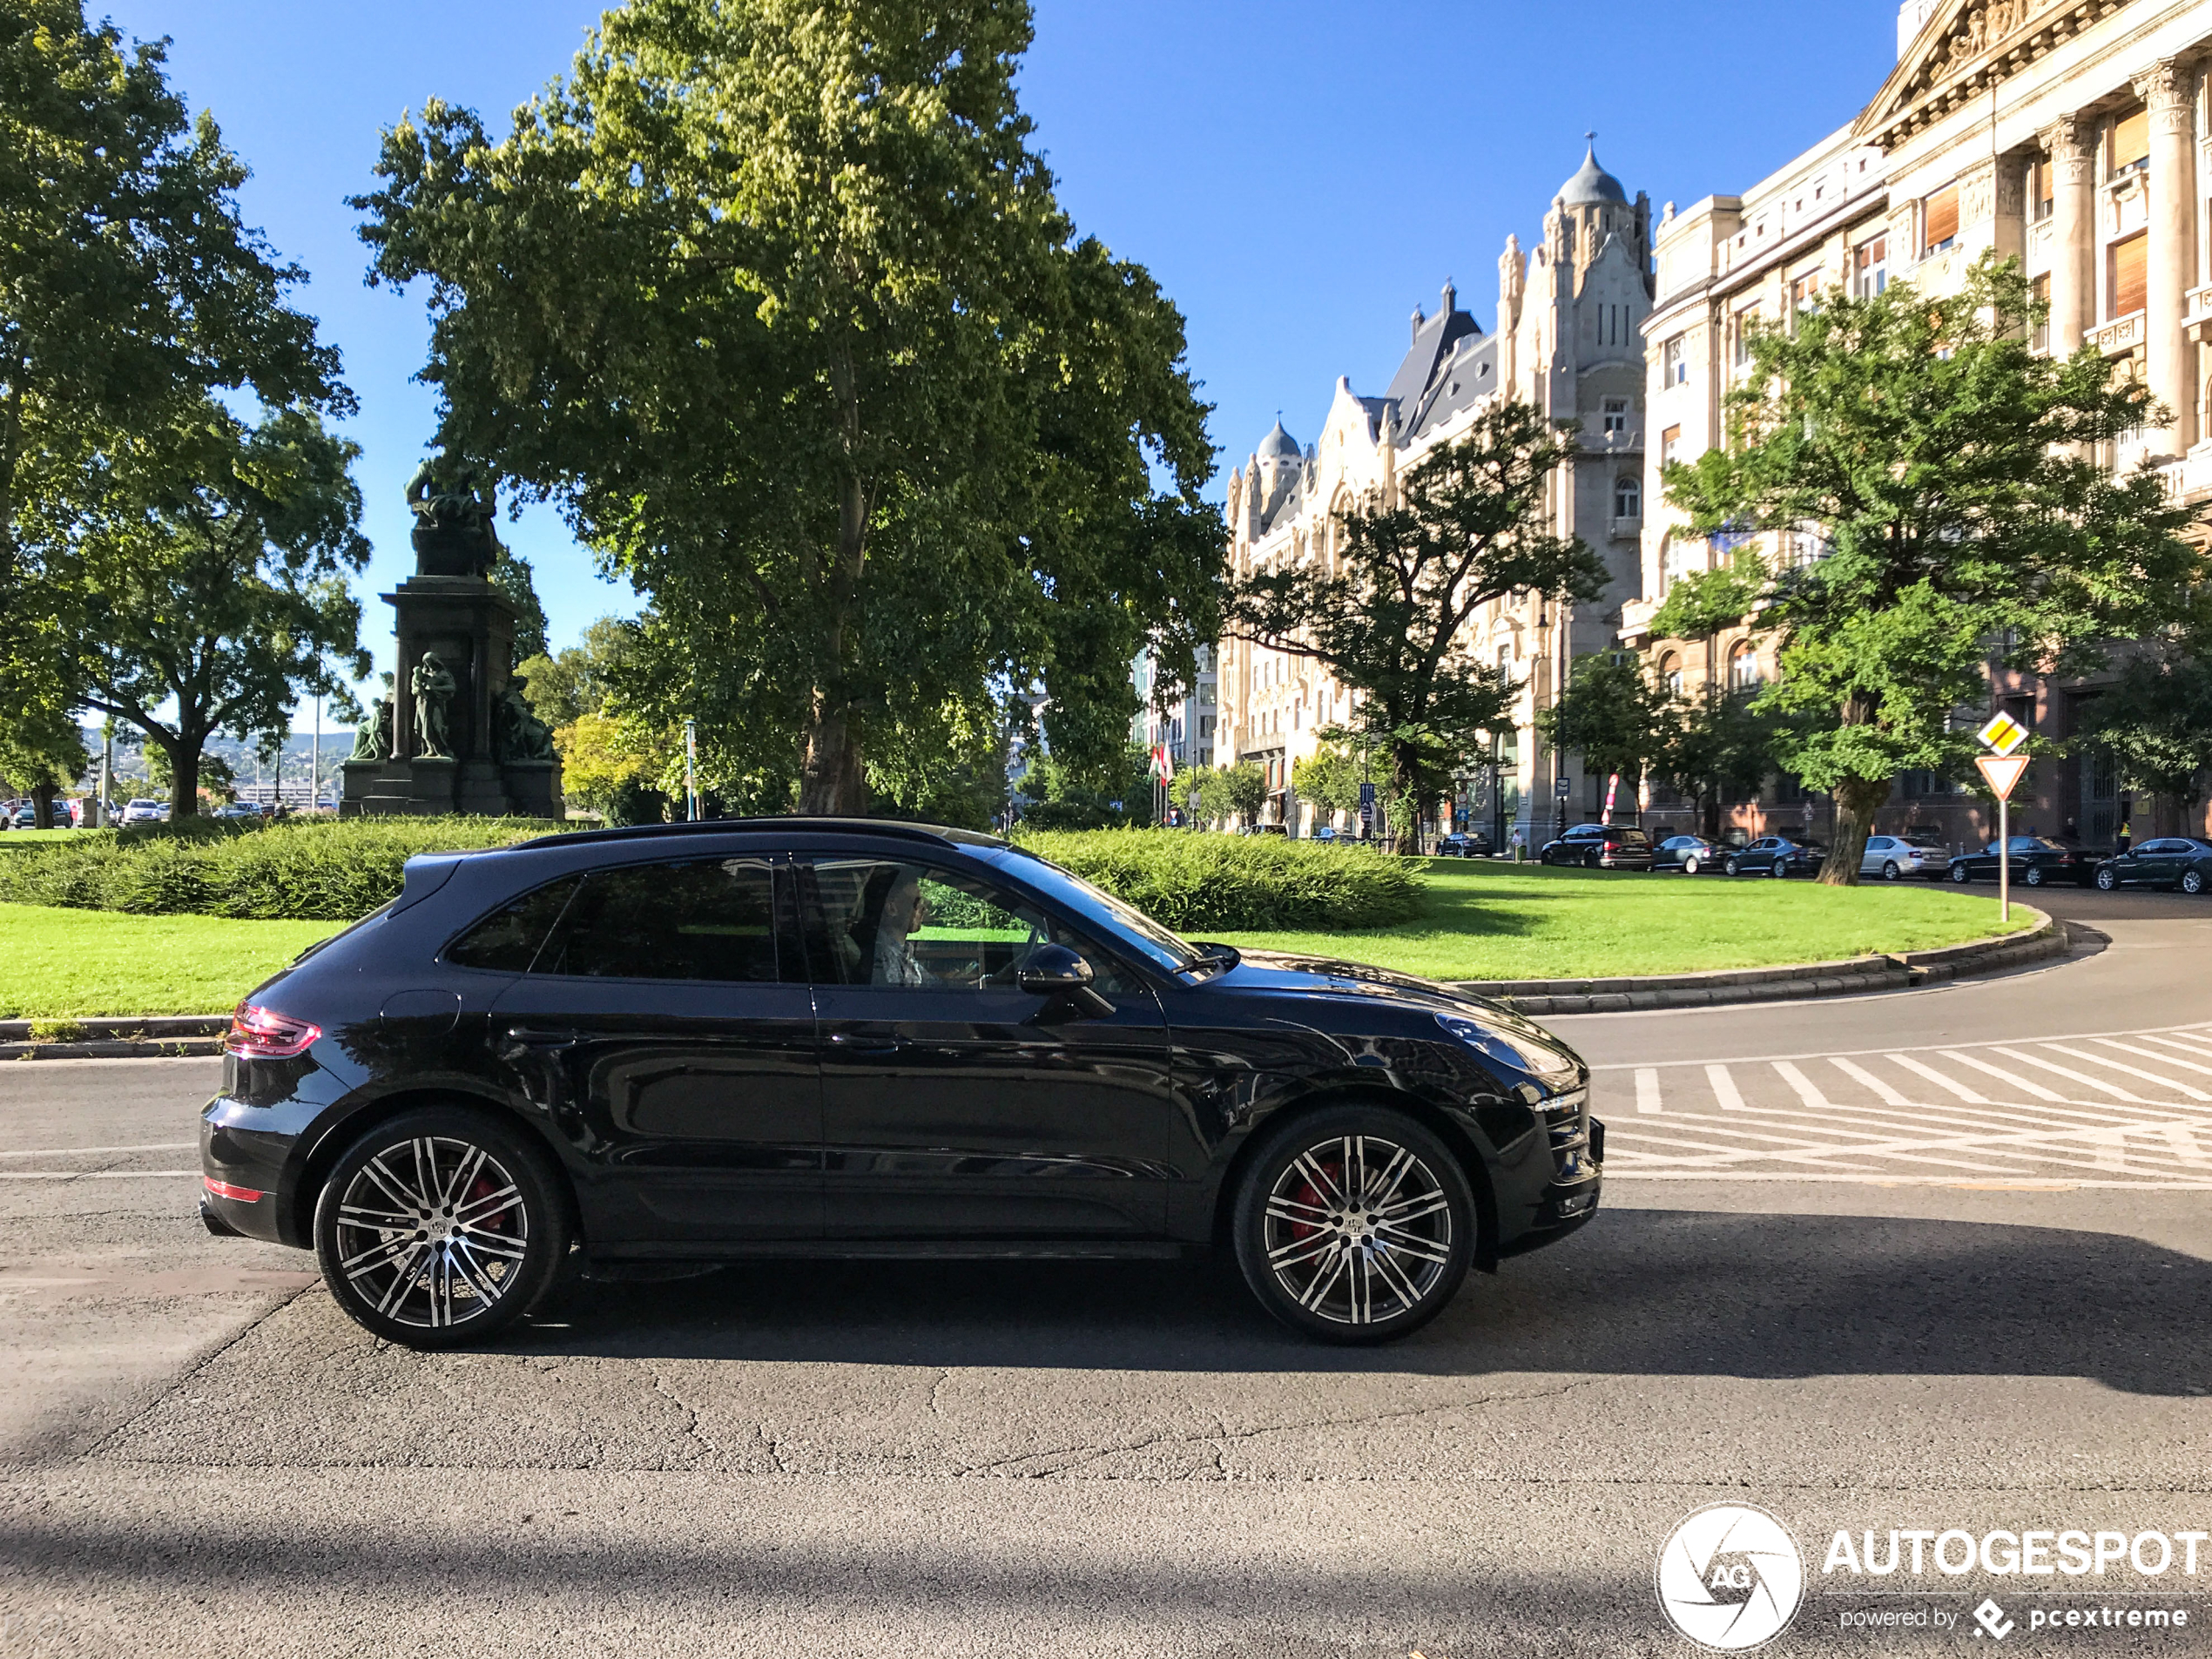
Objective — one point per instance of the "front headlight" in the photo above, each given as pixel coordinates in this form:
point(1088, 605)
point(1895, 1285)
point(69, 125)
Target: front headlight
point(1535, 1058)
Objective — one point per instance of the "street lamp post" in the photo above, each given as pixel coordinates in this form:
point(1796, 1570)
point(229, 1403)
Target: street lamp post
point(691, 771)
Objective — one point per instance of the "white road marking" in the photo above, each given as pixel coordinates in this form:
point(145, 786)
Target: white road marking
point(2152, 1054)
point(1807, 1091)
point(2052, 1066)
point(1724, 1089)
point(1647, 1089)
point(2187, 1150)
point(1999, 1073)
point(2112, 1146)
point(1882, 1092)
point(1938, 1079)
point(76, 1151)
point(2132, 1071)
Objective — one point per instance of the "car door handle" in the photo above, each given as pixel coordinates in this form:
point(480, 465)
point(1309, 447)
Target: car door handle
point(856, 1045)
point(523, 1036)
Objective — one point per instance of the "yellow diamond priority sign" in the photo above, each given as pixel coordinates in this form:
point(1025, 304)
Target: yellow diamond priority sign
point(2001, 771)
point(2003, 734)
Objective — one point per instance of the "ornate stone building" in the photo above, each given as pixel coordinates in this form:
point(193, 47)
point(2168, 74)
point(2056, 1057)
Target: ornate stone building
point(1570, 339)
point(2070, 133)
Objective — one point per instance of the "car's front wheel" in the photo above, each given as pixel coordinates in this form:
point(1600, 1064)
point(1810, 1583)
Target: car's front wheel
point(2192, 882)
point(1890, 872)
point(1734, 867)
point(2107, 880)
point(1961, 874)
point(441, 1227)
point(1779, 868)
point(2032, 875)
point(1354, 1224)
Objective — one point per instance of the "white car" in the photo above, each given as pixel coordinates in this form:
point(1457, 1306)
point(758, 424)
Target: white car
point(145, 812)
point(1912, 853)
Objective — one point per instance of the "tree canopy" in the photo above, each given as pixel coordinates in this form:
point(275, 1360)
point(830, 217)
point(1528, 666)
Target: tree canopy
point(1953, 477)
point(777, 302)
point(1469, 523)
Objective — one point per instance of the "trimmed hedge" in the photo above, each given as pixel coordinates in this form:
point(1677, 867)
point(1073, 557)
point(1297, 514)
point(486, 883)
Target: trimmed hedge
point(310, 870)
point(1238, 883)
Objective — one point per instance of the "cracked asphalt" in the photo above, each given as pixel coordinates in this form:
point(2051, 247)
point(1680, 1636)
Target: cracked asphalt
point(199, 1455)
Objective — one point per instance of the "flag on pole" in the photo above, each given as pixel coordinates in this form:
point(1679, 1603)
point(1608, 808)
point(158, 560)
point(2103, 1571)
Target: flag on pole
point(1162, 768)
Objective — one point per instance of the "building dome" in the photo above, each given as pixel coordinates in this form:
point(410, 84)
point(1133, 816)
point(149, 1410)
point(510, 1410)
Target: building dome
point(1592, 185)
point(1281, 445)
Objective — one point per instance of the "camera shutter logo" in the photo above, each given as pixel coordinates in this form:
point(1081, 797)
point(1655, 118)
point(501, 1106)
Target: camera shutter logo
point(1730, 1577)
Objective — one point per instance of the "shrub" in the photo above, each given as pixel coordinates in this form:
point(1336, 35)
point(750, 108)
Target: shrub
point(1236, 883)
point(309, 870)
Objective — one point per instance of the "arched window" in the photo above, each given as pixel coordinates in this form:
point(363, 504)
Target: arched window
point(1671, 674)
point(1627, 497)
point(1743, 665)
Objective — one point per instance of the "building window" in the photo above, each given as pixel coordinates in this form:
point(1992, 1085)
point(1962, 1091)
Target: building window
point(1616, 416)
point(1675, 363)
point(1804, 292)
point(1671, 674)
point(1669, 442)
point(1628, 498)
point(2042, 188)
point(1744, 666)
point(2130, 146)
point(1741, 326)
point(1939, 220)
point(1505, 663)
point(2040, 330)
point(1870, 266)
point(2124, 269)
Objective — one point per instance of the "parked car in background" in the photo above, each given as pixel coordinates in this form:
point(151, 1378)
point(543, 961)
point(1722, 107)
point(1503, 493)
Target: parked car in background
point(25, 815)
point(2183, 861)
point(1327, 833)
point(1914, 852)
point(1600, 846)
point(2032, 859)
point(1263, 829)
point(1463, 844)
point(1689, 855)
point(1777, 855)
point(145, 812)
point(232, 811)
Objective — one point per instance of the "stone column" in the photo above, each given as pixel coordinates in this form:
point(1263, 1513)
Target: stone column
point(2071, 144)
point(2170, 270)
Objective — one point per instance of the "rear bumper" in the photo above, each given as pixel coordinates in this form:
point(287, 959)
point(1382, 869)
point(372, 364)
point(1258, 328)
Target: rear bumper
point(242, 1151)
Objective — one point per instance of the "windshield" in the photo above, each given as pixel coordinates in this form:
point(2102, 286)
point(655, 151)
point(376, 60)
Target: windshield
point(1127, 924)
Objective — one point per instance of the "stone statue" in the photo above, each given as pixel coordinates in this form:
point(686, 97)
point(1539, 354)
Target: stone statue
point(433, 687)
point(518, 734)
point(373, 738)
point(453, 519)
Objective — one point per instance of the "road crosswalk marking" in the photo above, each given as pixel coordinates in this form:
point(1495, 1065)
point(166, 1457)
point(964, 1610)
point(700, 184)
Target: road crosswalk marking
point(2128, 1109)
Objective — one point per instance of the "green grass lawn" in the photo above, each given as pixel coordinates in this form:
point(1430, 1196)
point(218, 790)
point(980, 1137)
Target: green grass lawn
point(1503, 921)
point(1485, 921)
point(55, 962)
point(35, 837)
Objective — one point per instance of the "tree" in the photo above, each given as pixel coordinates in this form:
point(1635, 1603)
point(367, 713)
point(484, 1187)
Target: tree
point(581, 679)
point(1705, 604)
point(1614, 714)
point(208, 582)
point(129, 290)
point(1469, 523)
point(1947, 469)
point(1068, 797)
point(1719, 746)
point(777, 302)
point(1332, 775)
point(41, 752)
point(510, 574)
point(2156, 718)
point(601, 759)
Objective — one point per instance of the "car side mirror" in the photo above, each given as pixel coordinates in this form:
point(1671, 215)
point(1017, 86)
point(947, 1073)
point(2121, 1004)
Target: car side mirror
point(1056, 972)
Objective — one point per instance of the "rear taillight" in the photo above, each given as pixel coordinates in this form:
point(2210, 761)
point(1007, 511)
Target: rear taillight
point(257, 1033)
point(237, 1195)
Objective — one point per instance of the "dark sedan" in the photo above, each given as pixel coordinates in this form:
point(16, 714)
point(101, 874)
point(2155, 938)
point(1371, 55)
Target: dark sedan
point(1463, 844)
point(2033, 860)
point(2181, 861)
point(1689, 855)
point(731, 1040)
point(1600, 846)
point(1776, 855)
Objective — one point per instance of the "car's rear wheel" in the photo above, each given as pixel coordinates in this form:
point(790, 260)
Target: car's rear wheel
point(1734, 867)
point(1890, 872)
point(1590, 860)
point(1961, 874)
point(1354, 1224)
point(441, 1227)
point(1779, 868)
point(2107, 880)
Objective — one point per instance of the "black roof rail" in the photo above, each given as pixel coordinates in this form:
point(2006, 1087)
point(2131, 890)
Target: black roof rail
point(788, 825)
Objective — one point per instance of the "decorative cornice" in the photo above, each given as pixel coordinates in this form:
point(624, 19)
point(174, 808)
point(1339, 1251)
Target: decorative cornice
point(1965, 50)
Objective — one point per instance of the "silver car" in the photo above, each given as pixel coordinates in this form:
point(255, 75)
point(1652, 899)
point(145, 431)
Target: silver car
point(1919, 853)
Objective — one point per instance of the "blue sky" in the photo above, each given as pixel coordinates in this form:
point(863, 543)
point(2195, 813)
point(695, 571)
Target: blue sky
point(1297, 175)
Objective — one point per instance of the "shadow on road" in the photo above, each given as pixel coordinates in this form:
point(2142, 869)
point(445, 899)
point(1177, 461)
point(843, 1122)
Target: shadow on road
point(1639, 1292)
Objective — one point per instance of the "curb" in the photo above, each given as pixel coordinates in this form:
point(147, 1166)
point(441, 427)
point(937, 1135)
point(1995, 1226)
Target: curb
point(173, 1036)
point(1898, 971)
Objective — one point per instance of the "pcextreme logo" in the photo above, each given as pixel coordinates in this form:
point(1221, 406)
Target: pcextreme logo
point(1730, 1577)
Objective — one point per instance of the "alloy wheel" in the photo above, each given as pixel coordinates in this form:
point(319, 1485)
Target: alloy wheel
point(1358, 1231)
point(1779, 868)
point(2107, 881)
point(2034, 875)
point(1733, 867)
point(1961, 874)
point(432, 1232)
point(2192, 882)
point(1890, 872)
point(1689, 864)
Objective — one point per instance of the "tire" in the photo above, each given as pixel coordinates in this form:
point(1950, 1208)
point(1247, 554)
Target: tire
point(1689, 864)
point(1961, 874)
point(2031, 876)
point(1733, 867)
point(494, 1264)
point(1590, 860)
point(1778, 869)
point(1312, 1259)
point(2192, 882)
point(1891, 873)
point(2107, 880)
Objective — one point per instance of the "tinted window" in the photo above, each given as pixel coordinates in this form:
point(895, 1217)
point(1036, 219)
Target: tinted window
point(705, 919)
point(1877, 844)
point(508, 939)
point(886, 922)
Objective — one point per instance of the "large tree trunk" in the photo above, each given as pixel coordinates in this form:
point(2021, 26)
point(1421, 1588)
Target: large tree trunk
point(41, 807)
point(1709, 800)
point(184, 775)
point(831, 782)
point(1857, 801)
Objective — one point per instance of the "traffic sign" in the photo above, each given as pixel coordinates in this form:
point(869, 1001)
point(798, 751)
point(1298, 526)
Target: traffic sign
point(1563, 787)
point(2001, 773)
point(2003, 734)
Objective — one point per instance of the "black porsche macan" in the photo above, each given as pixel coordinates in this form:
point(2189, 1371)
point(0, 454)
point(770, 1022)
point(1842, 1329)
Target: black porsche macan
point(804, 1037)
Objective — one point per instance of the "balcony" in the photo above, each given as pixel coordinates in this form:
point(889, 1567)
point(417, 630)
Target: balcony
point(2197, 313)
point(2120, 335)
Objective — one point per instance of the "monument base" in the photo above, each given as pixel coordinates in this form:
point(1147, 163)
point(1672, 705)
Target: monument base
point(423, 788)
point(534, 788)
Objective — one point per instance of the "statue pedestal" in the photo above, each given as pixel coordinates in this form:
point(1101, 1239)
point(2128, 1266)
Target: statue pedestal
point(534, 788)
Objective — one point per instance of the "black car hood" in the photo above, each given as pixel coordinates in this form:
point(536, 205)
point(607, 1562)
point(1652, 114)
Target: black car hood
point(1279, 971)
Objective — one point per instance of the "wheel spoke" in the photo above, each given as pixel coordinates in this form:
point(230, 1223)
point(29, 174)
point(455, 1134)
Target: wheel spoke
point(464, 1257)
point(380, 1254)
point(1414, 1208)
point(469, 1214)
point(402, 1281)
point(1303, 1250)
point(1394, 1275)
point(464, 1173)
point(1319, 1178)
point(1282, 1209)
point(395, 1188)
point(1322, 1283)
point(1403, 1243)
point(1355, 1167)
point(1393, 1177)
point(354, 1215)
point(506, 1250)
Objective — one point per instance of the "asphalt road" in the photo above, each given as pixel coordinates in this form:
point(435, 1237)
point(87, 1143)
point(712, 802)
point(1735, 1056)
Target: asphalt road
point(1844, 1291)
